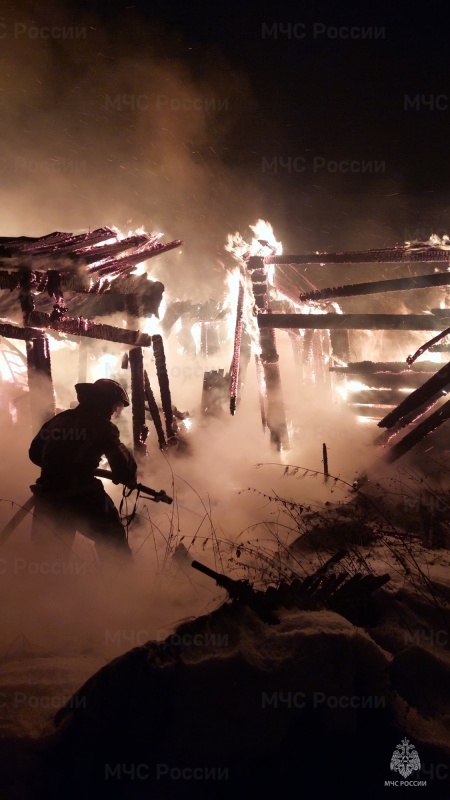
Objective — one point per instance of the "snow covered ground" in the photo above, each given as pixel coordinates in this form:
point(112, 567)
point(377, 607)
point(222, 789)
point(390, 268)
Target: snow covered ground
point(230, 701)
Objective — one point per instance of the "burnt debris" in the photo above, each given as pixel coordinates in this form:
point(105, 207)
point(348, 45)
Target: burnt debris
point(325, 588)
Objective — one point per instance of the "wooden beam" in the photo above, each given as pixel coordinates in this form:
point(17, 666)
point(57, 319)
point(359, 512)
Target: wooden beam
point(374, 322)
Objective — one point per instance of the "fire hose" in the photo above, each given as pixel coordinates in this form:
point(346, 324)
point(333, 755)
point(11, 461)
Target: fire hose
point(142, 491)
point(157, 497)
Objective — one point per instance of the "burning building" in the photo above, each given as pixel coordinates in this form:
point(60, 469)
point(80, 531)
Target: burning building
point(311, 604)
point(100, 266)
point(101, 274)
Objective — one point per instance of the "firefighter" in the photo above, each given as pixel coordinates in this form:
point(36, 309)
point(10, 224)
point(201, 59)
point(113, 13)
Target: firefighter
point(68, 448)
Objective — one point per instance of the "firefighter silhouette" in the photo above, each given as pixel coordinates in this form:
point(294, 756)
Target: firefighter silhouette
point(68, 448)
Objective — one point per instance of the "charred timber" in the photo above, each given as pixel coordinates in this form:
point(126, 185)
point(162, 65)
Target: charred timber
point(387, 380)
point(386, 256)
point(75, 252)
point(40, 384)
point(343, 593)
point(69, 254)
point(143, 254)
point(429, 392)
point(234, 372)
point(325, 461)
point(82, 283)
point(413, 418)
point(90, 256)
point(275, 416)
point(427, 346)
point(420, 432)
point(374, 322)
point(140, 430)
point(154, 412)
point(81, 327)
point(379, 287)
point(163, 380)
point(384, 367)
point(58, 242)
point(14, 332)
point(23, 248)
point(102, 261)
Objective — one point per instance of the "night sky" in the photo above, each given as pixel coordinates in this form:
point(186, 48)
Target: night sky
point(331, 122)
point(325, 80)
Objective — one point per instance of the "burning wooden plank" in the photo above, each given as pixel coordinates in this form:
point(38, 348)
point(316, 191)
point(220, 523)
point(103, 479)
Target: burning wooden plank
point(428, 393)
point(385, 368)
point(420, 432)
point(427, 346)
point(374, 322)
point(390, 255)
point(82, 327)
point(24, 250)
point(154, 412)
point(275, 417)
point(140, 430)
point(163, 380)
point(234, 372)
point(40, 384)
point(15, 332)
point(112, 274)
point(378, 287)
point(130, 261)
point(62, 242)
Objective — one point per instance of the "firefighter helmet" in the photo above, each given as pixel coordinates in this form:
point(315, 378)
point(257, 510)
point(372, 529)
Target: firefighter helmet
point(112, 389)
point(103, 390)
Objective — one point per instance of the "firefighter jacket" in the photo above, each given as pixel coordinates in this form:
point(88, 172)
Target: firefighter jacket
point(68, 448)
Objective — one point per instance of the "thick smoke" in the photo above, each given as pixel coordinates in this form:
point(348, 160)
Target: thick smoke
point(133, 129)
